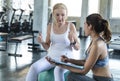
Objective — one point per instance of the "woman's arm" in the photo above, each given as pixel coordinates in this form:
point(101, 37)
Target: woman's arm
point(46, 43)
point(75, 42)
point(77, 62)
point(89, 63)
point(73, 61)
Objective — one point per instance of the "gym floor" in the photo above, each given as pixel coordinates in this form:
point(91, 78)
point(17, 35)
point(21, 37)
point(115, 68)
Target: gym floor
point(15, 68)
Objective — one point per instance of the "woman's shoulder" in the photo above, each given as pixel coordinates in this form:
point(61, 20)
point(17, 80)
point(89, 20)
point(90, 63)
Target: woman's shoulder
point(70, 23)
point(71, 26)
point(100, 45)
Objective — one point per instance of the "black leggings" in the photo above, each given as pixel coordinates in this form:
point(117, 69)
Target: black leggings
point(100, 78)
point(79, 77)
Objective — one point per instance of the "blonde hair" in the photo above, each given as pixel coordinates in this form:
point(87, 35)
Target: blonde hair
point(60, 5)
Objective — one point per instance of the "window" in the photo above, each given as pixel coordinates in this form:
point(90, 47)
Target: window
point(1, 5)
point(93, 8)
point(73, 10)
point(115, 9)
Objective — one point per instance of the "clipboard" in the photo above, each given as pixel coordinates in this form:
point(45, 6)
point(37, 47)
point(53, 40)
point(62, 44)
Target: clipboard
point(66, 64)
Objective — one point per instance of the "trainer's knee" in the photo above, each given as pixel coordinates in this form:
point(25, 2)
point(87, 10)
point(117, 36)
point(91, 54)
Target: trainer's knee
point(73, 76)
point(70, 76)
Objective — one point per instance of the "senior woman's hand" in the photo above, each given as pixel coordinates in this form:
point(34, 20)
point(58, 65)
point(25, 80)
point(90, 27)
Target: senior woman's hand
point(40, 38)
point(64, 58)
point(49, 59)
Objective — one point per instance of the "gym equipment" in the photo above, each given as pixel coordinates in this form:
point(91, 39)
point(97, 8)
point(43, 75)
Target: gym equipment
point(16, 27)
point(25, 26)
point(12, 25)
point(17, 40)
point(49, 75)
point(3, 22)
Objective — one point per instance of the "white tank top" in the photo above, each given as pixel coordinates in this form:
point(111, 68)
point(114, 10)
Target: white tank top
point(60, 44)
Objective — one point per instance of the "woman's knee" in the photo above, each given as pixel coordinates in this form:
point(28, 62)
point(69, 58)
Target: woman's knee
point(59, 69)
point(33, 67)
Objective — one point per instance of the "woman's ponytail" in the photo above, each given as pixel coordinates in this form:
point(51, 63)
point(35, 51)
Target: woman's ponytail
point(106, 30)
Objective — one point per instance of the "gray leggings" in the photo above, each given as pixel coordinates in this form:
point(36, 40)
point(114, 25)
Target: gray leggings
point(79, 77)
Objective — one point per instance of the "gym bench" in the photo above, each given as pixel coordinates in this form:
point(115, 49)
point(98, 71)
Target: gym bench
point(17, 40)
